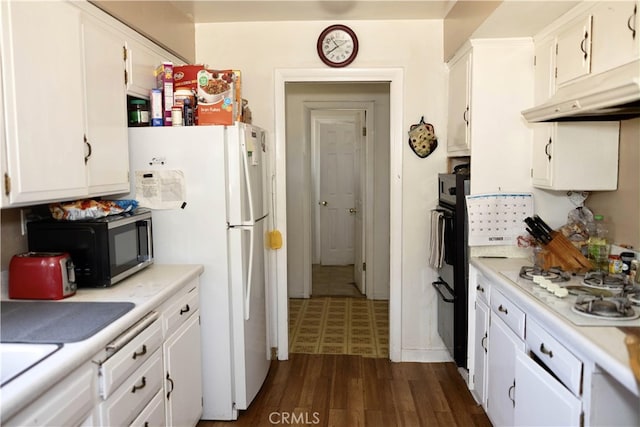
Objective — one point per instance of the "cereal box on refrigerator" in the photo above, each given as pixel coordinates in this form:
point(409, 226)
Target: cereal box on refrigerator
point(216, 97)
point(164, 81)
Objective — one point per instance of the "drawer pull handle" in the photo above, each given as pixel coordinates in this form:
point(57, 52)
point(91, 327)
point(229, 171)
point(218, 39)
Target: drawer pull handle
point(185, 309)
point(546, 351)
point(513, 387)
point(502, 309)
point(141, 386)
point(480, 288)
point(171, 382)
point(484, 339)
point(137, 354)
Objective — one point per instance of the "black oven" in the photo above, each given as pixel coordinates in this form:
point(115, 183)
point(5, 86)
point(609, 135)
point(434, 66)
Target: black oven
point(453, 275)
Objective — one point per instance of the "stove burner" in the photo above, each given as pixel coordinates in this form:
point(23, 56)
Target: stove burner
point(611, 308)
point(553, 274)
point(602, 280)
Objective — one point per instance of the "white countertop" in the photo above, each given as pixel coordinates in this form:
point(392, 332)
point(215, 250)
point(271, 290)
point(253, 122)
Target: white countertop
point(147, 289)
point(602, 345)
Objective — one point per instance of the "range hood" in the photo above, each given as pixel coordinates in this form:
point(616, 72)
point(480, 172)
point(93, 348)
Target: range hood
point(611, 95)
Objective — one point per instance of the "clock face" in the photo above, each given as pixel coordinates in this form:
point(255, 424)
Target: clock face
point(337, 46)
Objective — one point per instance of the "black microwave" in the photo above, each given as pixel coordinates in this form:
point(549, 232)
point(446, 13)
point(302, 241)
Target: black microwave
point(103, 250)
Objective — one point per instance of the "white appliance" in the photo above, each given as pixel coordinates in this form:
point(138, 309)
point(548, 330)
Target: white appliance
point(219, 222)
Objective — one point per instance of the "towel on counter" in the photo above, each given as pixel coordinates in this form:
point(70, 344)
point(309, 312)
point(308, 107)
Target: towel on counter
point(436, 244)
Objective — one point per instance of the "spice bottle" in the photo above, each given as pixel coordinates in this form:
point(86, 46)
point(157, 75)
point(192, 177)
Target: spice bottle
point(138, 113)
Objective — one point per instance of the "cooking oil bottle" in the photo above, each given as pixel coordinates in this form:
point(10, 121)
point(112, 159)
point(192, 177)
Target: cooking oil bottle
point(598, 246)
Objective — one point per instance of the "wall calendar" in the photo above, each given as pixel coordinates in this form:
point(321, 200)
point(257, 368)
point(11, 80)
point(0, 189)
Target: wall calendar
point(497, 219)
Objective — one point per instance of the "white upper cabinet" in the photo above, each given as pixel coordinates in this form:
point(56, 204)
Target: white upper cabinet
point(66, 70)
point(43, 102)
point(106, 109)
point(617, 38)
point(459, 123)
point(573, 50)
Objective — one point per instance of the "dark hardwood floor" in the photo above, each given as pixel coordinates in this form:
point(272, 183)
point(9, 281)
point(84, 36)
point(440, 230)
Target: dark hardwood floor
point(349, 391)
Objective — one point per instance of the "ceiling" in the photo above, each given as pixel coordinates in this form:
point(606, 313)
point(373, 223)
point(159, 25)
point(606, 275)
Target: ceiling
point(304, 10)
point(512, 18)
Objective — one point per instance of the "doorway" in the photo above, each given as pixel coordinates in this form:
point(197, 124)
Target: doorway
point(290, 170)
point(339, 180)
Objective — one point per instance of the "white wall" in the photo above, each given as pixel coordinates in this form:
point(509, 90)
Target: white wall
point(259, 48)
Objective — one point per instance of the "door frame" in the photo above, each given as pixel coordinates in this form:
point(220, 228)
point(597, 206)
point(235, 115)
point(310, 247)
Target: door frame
point(395, 77)
point(321, 111)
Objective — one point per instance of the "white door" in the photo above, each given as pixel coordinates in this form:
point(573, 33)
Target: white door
point(359, 233)
point(339, 177)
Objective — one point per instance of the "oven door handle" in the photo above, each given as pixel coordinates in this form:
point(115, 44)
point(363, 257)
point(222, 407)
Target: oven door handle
point(439, 284)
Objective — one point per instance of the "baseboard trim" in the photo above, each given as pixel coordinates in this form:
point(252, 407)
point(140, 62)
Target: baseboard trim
point(425, 356)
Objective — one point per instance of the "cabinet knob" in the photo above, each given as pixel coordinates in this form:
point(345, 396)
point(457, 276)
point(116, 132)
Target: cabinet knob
point(545, 350)
point(502, 309)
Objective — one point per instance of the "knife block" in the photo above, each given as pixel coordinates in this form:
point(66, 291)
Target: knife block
point(560, 252)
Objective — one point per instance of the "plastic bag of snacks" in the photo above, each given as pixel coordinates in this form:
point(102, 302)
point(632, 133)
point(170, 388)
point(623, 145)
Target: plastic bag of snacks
point(90, 209)
point(576, 229)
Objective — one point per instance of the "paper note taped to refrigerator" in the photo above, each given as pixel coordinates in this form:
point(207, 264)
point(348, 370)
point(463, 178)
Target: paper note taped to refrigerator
point(160, 189)
point(497, 219)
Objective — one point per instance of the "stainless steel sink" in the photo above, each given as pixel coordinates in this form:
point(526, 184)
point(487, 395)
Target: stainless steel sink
point(18, 358)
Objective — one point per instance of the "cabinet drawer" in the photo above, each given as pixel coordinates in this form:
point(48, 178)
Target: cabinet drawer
point(153, 414)
point(134, 394)
point(120, 366)
point(558, 359)
point(66, 404)
point(483, 288)
point(508, 312)
point(179, 312)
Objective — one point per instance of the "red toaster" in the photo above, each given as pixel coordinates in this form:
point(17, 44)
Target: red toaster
point(41, 275)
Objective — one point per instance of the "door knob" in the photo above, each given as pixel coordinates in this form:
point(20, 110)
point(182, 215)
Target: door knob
point(353, 210)
point(323, 203)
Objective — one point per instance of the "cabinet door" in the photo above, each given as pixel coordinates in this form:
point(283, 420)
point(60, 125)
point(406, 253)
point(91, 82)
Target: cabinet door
point(106, 109)
point(142, 62)
point(616, 41)
point(541, 156)
point(459, 121)
point(541, 400)
point(183, 374)
point(573, 52)
point(577, 156)
point(42, 47)
point(503, 347)
point(480, 352)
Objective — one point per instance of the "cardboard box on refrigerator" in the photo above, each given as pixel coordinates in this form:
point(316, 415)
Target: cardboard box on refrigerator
point(216, 97)
point(164, 81)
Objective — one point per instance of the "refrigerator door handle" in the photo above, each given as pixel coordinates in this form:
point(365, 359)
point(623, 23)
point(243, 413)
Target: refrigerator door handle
point(247, 178)
point(247, 296)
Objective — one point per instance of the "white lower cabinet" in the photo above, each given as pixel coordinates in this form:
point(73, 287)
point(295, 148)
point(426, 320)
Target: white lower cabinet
point(504, 344)
point(522, 374)
point(540, 400)
point(182, 359)
point(69, 403)
point(481, 352)
point(131, 398)
point(183, 376)
point(153, 414)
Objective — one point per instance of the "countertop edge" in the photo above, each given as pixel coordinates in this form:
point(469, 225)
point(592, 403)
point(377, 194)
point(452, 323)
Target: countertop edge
point(148, 289)
point(581, 339)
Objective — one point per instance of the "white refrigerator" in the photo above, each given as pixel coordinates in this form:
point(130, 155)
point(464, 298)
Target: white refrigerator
point(206, 185)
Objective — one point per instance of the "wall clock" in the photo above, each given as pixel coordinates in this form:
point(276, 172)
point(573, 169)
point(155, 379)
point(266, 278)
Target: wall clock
point(337, 45)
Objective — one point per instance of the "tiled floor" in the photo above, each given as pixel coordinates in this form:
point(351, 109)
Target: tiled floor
point(339, 325)
point(334, 281)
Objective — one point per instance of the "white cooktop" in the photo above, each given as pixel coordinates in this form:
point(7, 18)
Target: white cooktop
point(563, 306)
